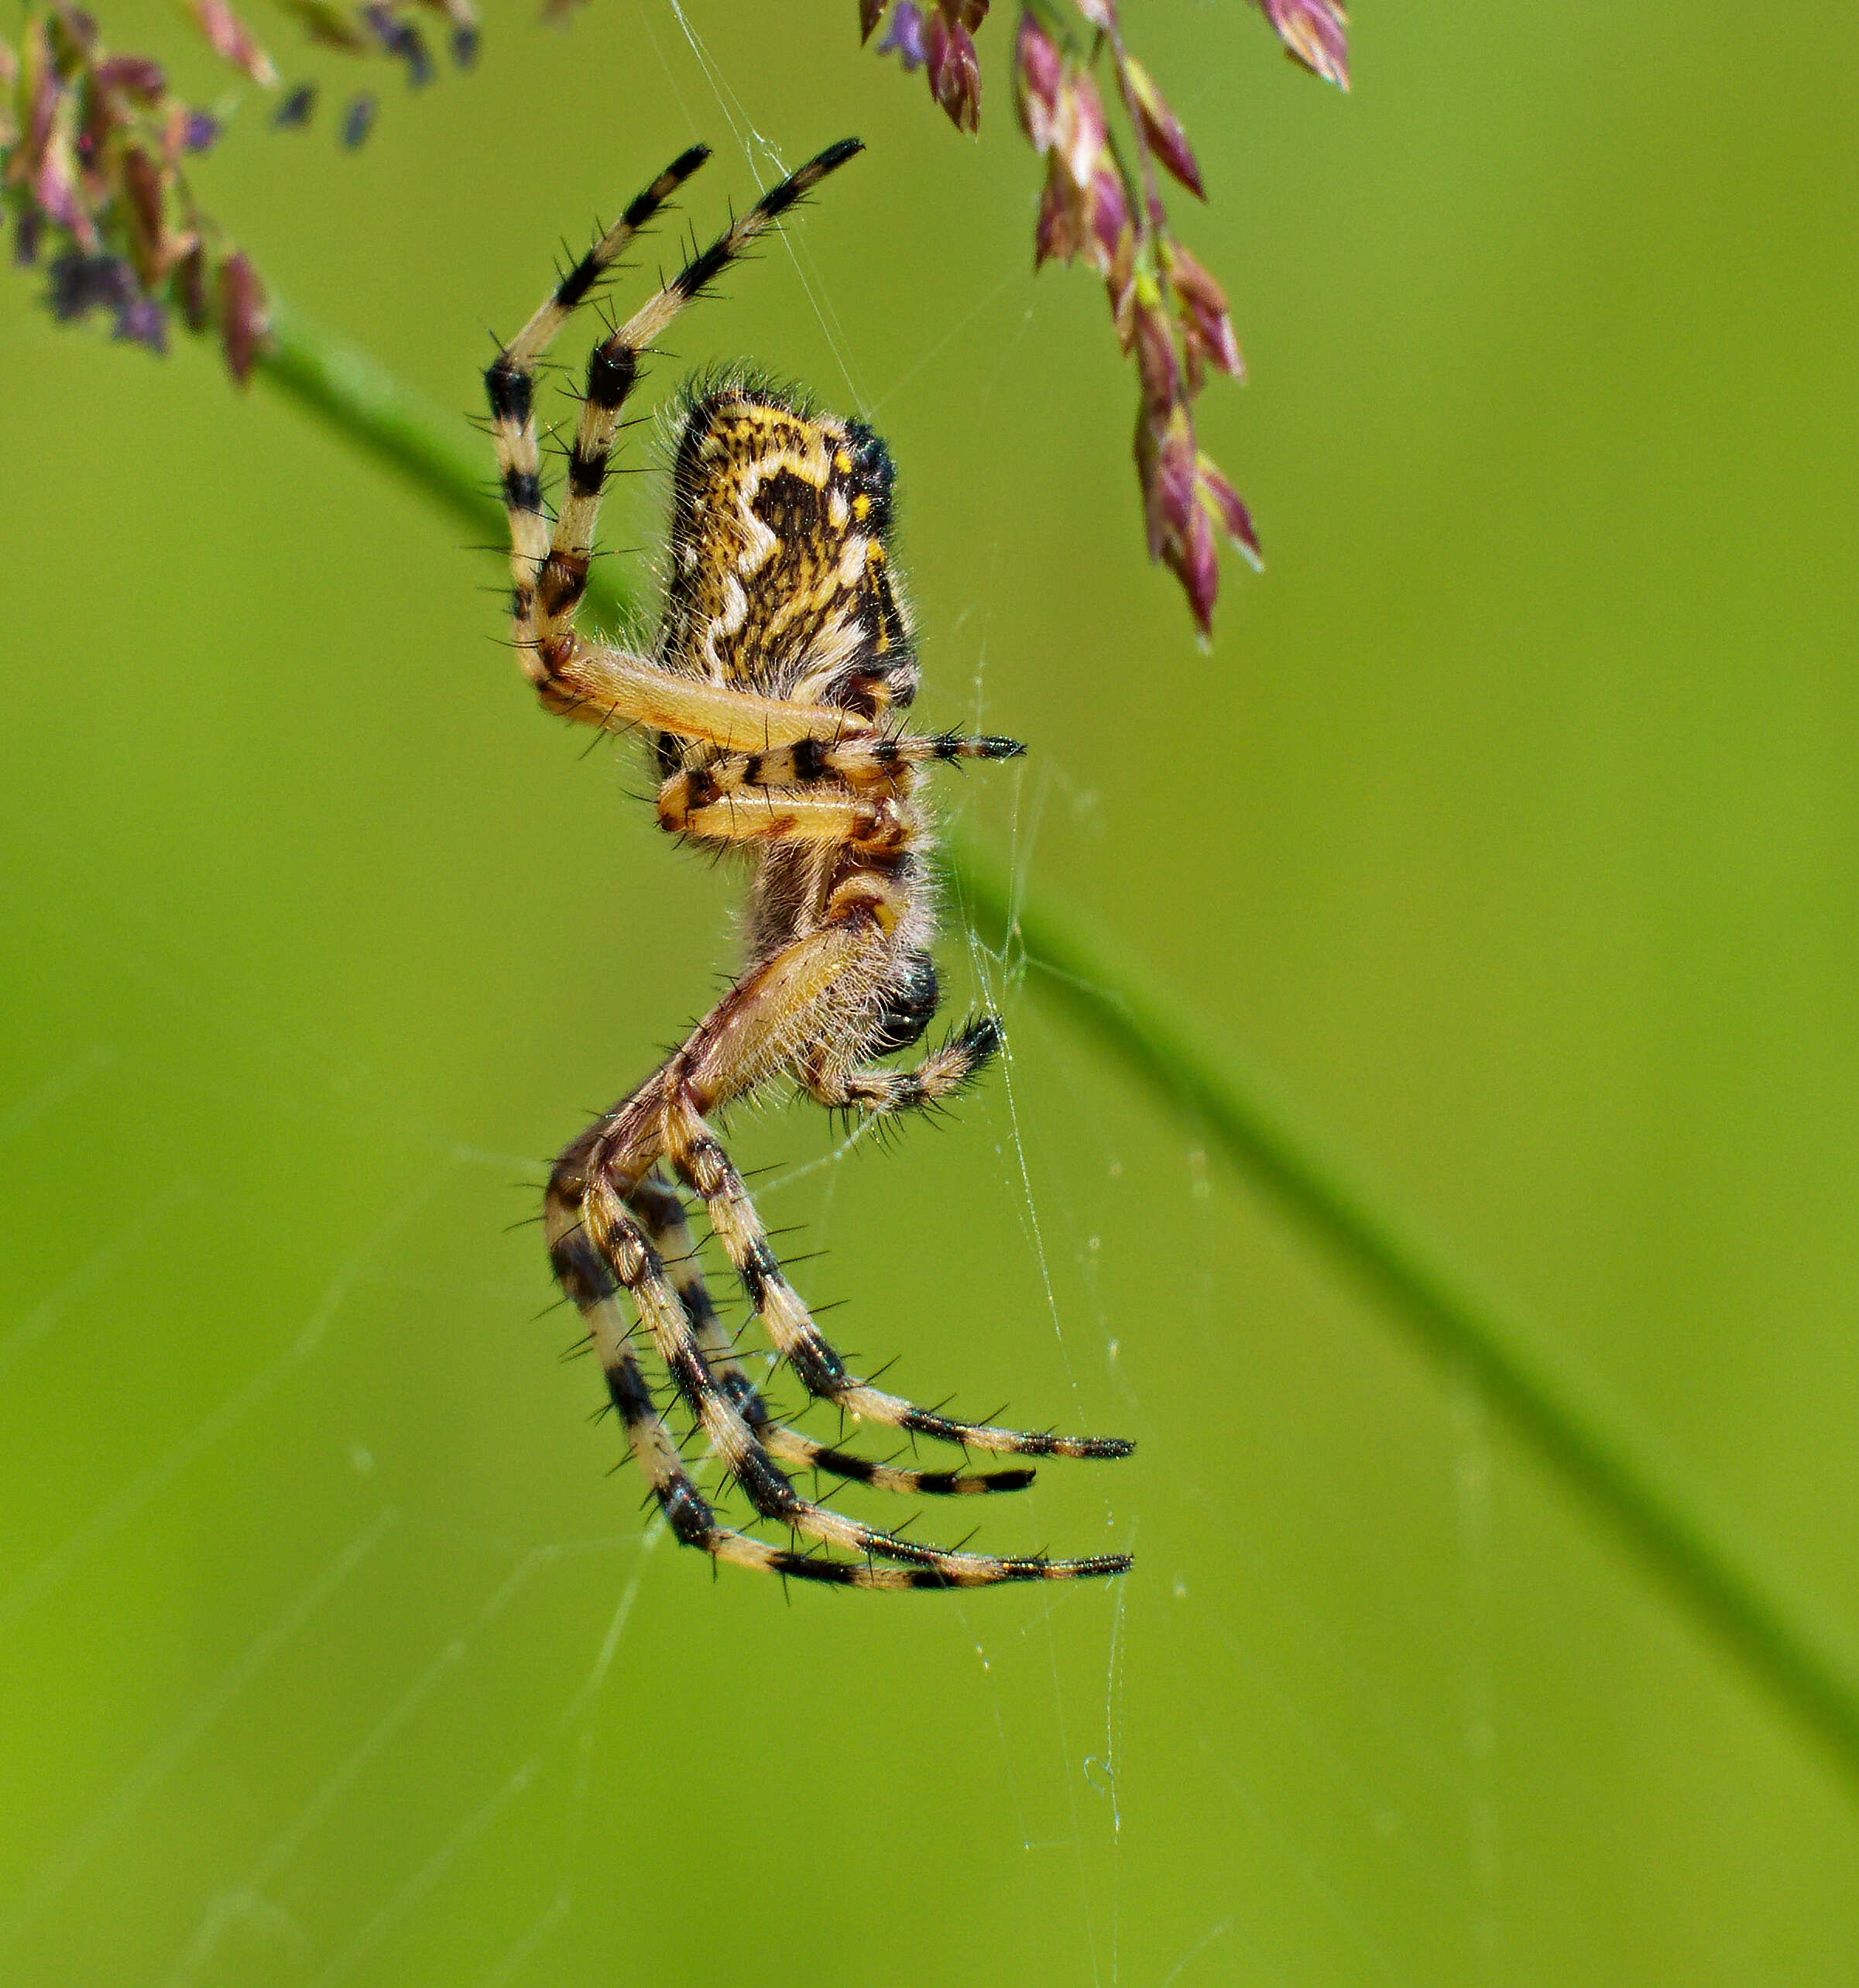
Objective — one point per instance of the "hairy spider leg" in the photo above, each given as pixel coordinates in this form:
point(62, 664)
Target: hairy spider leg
point(616, 691)
point(860, 760)
point(613, 369)
point(701, 1162)
point(544, 603)
point(661, 1214)
point(736, 1047)
point(773, 815)
point(589, 1281)
point(794, 814)
point(637, 1266)
point(875, 1091)
point(510, 384)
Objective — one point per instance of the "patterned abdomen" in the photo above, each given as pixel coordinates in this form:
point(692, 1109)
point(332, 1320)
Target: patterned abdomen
point(780, 577)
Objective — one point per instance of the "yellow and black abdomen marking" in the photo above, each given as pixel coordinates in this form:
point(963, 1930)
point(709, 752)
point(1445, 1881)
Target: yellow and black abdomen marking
point(779, 575)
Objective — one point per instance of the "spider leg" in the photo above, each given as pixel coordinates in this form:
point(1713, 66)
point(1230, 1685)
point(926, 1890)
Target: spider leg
point(625, 1250)
point(877, 1091)
point(611, 371)
point(615, 690)
point(688, 1512)
point(860, 760)
point(792, 813)
point(703, 1164)
point(549, 570)
point(746, 1040)
point(661, 1213)
point(808, 988)
point(510, 384)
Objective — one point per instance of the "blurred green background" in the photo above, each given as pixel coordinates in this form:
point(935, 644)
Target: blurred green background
point(1510, 821)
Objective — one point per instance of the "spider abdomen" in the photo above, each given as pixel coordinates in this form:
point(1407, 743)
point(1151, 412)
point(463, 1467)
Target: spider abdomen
point(779, 575)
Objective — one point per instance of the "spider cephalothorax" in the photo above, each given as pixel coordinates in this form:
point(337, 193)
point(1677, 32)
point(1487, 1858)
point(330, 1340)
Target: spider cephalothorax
point(775, 691)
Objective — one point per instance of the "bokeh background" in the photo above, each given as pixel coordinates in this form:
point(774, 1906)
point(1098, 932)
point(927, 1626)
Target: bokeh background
point(1510, 822)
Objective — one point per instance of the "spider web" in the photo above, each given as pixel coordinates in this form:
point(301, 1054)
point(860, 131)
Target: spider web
point(352, 1677)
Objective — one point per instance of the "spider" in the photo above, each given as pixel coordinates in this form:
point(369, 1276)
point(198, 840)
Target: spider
point(783, 657)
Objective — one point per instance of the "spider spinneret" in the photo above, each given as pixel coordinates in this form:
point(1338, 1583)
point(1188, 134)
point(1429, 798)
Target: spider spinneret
point(774, 691)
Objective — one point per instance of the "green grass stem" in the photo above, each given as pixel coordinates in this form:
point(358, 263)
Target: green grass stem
point(1621, 1469)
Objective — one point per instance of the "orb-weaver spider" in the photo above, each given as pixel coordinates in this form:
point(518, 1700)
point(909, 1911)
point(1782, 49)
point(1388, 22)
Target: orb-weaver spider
point(783, 660)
